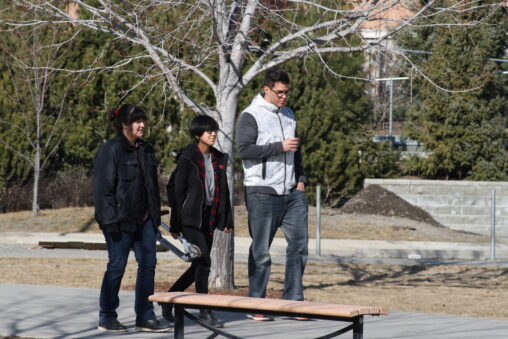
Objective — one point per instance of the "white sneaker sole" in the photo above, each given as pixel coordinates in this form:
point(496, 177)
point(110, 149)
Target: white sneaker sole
point(250, 316)
point(162, 330)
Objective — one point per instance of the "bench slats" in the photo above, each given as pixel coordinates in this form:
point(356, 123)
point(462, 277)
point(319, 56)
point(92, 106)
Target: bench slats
point(266, 304)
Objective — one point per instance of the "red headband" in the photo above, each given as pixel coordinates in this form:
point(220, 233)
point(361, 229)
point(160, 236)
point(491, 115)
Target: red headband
point(116, 111)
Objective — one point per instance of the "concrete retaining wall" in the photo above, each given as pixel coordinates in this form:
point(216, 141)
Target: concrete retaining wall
point(459, 205)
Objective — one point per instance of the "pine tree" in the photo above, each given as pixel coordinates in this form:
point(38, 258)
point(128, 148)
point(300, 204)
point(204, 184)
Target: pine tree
point(461, 116)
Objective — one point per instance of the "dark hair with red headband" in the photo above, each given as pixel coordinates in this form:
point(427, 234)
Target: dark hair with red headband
point(127, 114)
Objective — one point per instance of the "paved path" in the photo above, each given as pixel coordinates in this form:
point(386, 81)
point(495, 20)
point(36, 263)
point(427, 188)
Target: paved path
point(330, 248)
point(61, 312)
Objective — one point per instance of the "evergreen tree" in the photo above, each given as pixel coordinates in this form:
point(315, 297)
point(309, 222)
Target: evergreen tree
point(461, 115)
point(32, 57)
point(101, 91)
point(82, 125)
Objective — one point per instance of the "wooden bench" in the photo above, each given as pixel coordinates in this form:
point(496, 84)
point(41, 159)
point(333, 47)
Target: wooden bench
point(182, 300)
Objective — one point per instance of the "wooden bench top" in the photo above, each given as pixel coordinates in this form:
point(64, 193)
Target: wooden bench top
point(266, 304)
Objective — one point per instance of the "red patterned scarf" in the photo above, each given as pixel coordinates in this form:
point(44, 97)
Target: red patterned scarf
point(202, 174)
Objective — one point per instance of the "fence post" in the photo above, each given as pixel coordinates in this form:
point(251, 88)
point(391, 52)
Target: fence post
point(318, 220)
point(493, 225)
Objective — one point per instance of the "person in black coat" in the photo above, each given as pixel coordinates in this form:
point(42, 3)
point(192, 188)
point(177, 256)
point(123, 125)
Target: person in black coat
point(127, 209)
point(199, 199)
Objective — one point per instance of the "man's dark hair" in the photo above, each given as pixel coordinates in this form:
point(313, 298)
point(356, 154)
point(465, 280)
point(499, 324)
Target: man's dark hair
point(127, 114)
point(274, 75)
point(202, 123)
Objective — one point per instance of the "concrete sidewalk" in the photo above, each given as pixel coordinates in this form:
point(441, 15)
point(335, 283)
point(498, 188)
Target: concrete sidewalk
point(60, 312)
point(343, 248)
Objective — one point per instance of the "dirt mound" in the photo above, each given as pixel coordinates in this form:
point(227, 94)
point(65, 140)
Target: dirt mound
point(374, 199)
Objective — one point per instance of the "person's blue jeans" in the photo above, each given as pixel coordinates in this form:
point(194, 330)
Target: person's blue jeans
point(119, 244)
point(267, 213)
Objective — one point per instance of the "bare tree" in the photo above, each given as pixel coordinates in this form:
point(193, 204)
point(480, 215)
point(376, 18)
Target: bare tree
point(31, 56)
point(218, 41)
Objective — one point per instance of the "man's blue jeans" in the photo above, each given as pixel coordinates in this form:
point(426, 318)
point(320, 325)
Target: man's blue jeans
point(267, 213)
point(119, 244)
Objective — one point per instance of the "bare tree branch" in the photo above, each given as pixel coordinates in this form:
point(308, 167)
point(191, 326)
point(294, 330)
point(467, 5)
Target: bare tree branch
point(223, 44)
point(16, 152)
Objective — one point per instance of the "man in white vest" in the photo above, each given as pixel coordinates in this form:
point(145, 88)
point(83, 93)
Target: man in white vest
point(267, 143)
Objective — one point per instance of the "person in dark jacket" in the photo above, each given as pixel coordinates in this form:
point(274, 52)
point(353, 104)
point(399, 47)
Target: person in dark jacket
point(200, 194)
point(127, 209)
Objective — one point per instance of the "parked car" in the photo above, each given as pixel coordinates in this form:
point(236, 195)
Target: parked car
point(401, 144)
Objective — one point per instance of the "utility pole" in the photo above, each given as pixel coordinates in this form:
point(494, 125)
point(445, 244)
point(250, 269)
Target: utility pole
point(390, 86)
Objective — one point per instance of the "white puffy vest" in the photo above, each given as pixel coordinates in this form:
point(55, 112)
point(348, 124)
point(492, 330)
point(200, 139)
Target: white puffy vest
point(274, 125)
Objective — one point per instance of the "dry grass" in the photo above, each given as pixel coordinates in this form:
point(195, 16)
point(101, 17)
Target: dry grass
point(62, 220)
point(334, 225)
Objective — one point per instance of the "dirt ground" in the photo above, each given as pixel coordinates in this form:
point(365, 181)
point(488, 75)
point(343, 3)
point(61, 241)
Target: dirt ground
point(444, 289)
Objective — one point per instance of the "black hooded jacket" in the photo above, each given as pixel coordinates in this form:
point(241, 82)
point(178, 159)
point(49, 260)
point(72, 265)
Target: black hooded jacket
point(118, 180)
point(189, 196)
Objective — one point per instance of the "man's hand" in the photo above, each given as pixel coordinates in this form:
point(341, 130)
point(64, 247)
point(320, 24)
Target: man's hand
point(291, 144)
point(300, 186)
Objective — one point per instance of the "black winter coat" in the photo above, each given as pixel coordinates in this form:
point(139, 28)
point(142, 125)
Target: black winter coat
point(190, 196)
point(116, 184)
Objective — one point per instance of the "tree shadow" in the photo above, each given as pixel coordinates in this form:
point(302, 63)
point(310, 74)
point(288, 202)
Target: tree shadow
point(363, 275)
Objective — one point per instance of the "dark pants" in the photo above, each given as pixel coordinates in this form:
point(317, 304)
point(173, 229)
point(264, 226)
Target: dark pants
point(266, 214)
point(199, 269)
point(119, 244)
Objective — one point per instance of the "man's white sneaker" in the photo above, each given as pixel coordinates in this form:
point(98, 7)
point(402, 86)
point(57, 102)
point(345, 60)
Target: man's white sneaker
point(260, 317)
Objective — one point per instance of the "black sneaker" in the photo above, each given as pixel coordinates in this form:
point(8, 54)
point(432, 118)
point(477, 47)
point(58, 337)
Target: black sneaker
point(210, 318)
point(111, 325)
point(167, 312)
point(152, 325)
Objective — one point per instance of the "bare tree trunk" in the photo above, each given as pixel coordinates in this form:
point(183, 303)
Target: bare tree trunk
point(37, 155)
point(37, 173)
point(222, 270)
point(223, 253)
point(35, 202)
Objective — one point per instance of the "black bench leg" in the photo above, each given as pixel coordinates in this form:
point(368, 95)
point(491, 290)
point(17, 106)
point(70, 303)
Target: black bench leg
point(179, 322)
point(357, 328)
